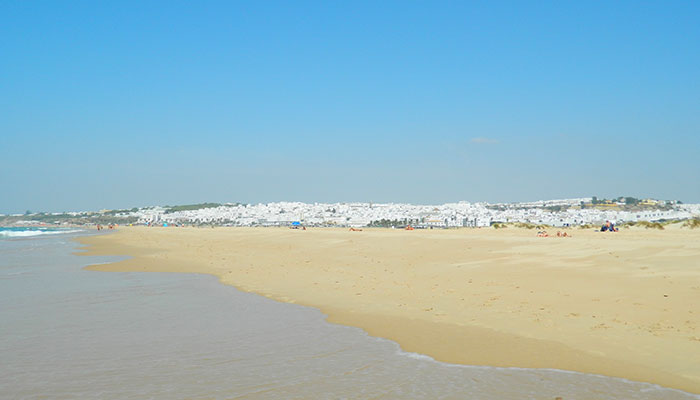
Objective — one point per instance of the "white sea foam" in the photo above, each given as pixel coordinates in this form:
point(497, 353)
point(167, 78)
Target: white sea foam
point(416, 356)
point(29, 233)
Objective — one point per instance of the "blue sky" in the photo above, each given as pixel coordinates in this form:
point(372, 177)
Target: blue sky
point(139, 103)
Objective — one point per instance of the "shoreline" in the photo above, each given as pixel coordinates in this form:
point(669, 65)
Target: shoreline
point(459, 305)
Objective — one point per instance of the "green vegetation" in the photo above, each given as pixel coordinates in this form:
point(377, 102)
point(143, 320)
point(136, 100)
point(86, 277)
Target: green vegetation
point(691, 223)
point(646, 225)
point(665, 222)
point(528, 225)
point(115, 212)
point(628, 203)
point(389, 223)
point(499, 225)
point(625, 203)
point(631, 201)
point(555, 208)
point(189, 207)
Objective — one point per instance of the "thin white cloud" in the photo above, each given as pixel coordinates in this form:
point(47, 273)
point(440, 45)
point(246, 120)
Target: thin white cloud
point(483, 140)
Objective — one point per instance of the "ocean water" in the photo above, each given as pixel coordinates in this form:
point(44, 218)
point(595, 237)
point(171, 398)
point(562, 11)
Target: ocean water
point(16, 232)
point(67, 333)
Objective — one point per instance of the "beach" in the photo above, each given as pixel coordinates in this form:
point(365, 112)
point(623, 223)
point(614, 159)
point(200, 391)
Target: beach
point(617, 304)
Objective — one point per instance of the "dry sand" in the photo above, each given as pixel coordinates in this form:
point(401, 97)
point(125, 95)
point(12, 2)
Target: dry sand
point(619, 304)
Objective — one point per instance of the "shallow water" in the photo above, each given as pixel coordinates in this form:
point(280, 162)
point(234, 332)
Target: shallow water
point(67, 333)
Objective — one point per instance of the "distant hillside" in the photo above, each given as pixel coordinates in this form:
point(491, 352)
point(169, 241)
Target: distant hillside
point(190, 207)
point(121, 217)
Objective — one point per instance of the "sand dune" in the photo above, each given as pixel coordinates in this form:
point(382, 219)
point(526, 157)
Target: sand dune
point(623, 304)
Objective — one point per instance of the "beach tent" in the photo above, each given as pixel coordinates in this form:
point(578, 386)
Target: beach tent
point(296, 223)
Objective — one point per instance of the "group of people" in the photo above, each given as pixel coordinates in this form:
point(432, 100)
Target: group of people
point(100, 227)
point(559, 234)
point(608, 226)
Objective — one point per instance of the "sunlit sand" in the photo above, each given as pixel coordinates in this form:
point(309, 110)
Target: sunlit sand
point(618, 304)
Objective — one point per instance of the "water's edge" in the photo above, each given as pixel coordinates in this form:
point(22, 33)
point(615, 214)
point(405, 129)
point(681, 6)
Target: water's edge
point(330, 318)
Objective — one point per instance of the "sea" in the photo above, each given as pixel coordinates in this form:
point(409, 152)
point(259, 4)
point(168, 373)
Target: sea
point(69, 333)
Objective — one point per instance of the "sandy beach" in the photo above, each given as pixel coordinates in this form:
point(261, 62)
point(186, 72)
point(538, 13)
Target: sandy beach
point(618, 304)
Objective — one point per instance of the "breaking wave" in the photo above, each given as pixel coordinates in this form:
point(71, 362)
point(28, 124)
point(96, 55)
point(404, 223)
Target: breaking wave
point(29, 232)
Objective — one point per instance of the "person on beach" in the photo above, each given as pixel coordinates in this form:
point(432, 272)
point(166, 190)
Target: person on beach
point(608, 227)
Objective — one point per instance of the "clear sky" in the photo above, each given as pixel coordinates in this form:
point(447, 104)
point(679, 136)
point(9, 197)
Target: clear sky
point(122, 104)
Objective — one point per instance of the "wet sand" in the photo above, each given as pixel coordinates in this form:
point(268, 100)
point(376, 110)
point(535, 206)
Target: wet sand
point(622, 304)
